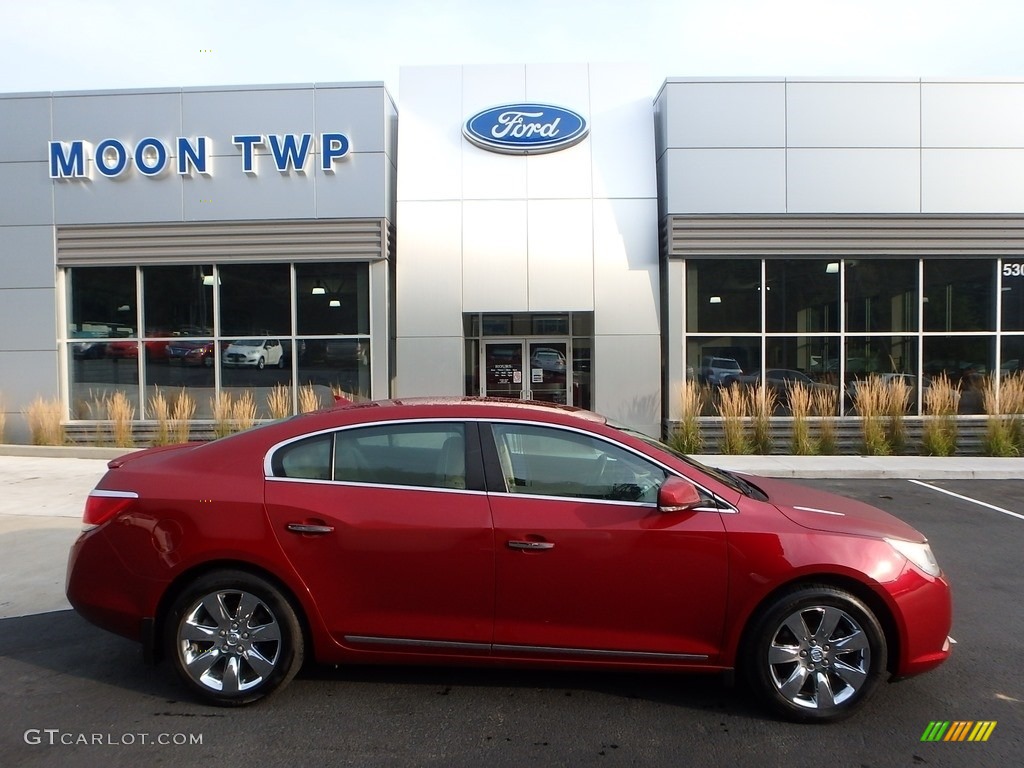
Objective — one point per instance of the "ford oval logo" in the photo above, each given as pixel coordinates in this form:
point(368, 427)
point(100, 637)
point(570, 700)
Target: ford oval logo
point(525, 129)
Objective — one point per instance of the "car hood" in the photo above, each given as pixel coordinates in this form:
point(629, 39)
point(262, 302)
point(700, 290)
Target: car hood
point(824, 511)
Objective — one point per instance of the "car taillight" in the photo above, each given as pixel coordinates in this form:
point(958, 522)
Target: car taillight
point(103, 505)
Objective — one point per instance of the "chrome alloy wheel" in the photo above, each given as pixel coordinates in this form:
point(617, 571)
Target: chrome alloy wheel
point(229, 641)
point(819, 657)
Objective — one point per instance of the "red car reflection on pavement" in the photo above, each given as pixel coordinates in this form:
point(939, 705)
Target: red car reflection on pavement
point(474, 531)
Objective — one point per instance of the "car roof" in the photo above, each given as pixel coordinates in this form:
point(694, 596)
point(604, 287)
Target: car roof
point(468, 404)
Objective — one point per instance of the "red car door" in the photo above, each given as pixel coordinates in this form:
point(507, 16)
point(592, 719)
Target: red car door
point(586, 564)
point(391, 538)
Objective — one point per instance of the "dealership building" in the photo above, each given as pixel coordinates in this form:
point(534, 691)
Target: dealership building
point(551, 232)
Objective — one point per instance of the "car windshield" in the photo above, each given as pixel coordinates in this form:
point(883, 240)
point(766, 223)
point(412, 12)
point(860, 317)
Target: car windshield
point(730, 479)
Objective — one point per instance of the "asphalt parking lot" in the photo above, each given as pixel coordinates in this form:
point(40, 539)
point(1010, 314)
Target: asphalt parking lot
point(79, 696)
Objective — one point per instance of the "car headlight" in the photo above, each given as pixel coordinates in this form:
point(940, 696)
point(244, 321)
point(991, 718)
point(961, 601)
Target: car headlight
point(920, 554)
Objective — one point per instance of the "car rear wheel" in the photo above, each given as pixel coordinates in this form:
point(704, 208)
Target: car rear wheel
point(816, 654)
point(234, 638)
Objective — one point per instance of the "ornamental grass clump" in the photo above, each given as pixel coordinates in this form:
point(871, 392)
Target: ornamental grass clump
point(939, 430)
point(732, 407)
point(243, 411)
point(220, 404)
point(160, 410)
point(687, 437)
point(871, 399)
point(121, 414)
point(826, 404)
point(801, 404)
point(761, 403)
point(279, 402)
point(182, 412)
point(309, 400)
point(1012, 402)
point(44, 422)
point(897, 400)
point(1004, 405)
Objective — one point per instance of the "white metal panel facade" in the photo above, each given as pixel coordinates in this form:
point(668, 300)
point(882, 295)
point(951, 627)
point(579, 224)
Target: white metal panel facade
point(568, 231)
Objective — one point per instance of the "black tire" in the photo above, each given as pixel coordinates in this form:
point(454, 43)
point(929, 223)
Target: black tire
point(234, 638)
point(260, 363)
point(815, 654)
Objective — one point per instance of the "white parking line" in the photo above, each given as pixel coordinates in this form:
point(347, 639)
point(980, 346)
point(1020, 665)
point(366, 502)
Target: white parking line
point(968, 498)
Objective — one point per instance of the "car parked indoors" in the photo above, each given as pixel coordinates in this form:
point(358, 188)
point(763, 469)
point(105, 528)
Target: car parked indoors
point(476, 531)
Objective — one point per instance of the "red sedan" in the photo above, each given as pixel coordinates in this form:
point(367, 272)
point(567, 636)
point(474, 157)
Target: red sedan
point(484, 532)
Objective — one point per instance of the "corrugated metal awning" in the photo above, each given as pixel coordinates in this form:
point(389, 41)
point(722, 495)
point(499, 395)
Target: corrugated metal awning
point(795, 236)
point(223, 242)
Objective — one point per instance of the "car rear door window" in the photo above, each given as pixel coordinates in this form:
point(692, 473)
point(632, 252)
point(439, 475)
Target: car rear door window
point(428, 455)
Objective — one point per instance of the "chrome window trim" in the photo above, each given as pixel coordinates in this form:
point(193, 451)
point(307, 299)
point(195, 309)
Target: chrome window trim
point(389, 486)
point(268, 474)
point(579, 499)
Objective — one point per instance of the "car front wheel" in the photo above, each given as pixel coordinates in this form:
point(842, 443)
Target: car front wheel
point(816, 654)
point(234, 638)
point(260, 363)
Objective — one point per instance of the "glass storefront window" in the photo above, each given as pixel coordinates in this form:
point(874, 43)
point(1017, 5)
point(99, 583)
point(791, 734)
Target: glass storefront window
point(1012, 355)
point(1012, 277)
point(255, 299)
point(966, 360)
point(102, 303)
point(723, 295)
point(868, 355)
point(332, 299)
point(180, 351)
point(720, 360)
point(816, 357)
point(959, 295)
point(881, 295)
point(802, 295)
point(179, 301)
point(103, 349)
point(329, 367)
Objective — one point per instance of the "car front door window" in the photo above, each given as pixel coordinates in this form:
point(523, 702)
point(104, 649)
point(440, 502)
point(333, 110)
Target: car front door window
point(546, 461)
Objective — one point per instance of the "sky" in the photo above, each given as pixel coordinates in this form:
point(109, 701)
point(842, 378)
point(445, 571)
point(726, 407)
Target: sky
point(60, 45)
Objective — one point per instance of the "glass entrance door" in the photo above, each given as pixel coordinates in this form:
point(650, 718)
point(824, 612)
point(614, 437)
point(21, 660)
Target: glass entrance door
point(527, 369)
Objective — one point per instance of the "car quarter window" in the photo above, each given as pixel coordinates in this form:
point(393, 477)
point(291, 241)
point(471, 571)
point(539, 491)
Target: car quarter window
point(308, 459)
point(430, 455)
point(548, 461)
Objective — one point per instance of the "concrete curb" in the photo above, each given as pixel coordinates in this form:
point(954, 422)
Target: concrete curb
point(63, 451)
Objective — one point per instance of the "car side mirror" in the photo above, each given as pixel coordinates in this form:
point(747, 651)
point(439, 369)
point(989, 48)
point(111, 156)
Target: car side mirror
point(678, 495)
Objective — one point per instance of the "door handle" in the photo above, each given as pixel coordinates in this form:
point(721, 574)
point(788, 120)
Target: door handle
point(531, 546)
point(310, 528)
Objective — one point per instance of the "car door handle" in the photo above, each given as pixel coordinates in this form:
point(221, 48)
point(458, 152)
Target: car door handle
point(310, 528)
point(531, 546)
